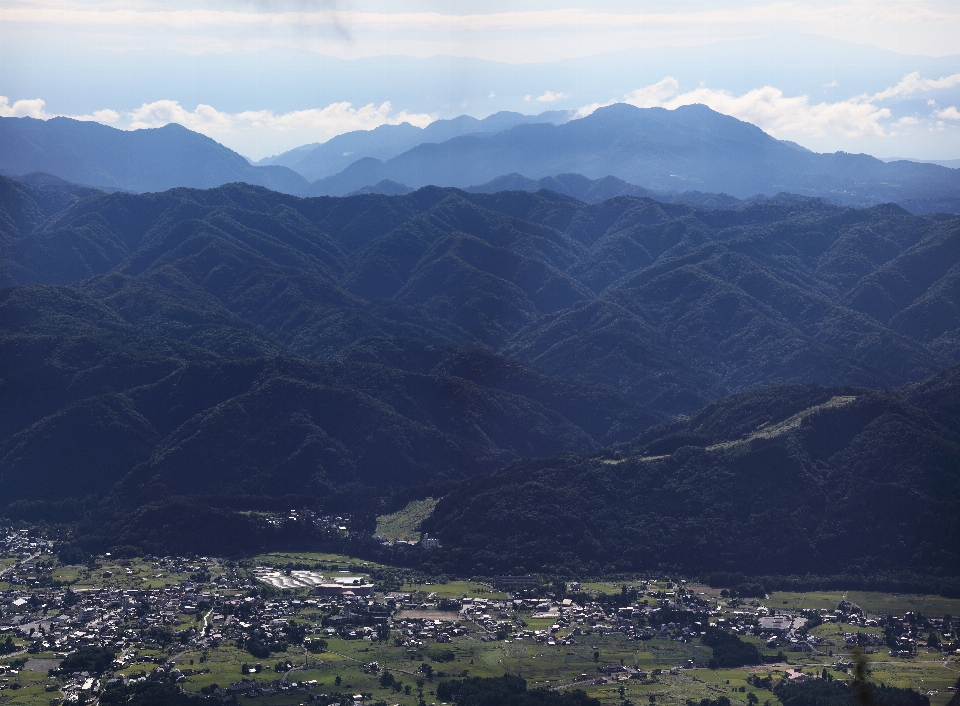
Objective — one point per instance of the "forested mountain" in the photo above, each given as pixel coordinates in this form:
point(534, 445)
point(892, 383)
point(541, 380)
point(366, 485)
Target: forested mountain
point(243, 347)
point(578, 187)
point(780, 480)
point(691, 148)
point(326, 159)
point(138, 160)
point(693, 155)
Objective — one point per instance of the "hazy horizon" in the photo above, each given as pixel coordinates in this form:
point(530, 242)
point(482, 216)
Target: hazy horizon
point(882, 78)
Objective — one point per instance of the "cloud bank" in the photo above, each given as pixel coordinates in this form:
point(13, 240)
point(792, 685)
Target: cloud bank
point(259, 133)
point(327, 122)
point(274, 131)
point(521, 34)
point(782, 116)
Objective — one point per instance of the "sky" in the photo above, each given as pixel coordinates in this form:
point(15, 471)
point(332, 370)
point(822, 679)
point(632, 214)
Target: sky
point(263, 76)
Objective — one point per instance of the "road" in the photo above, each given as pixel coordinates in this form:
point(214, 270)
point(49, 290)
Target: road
point(11, 568)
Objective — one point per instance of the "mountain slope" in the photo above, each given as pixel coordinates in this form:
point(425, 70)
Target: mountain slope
point(138, 160)
point(800, 479)
point(670, 304)
point(326, 159)
point(168, 414)
point(690, 148)
point(243, 347)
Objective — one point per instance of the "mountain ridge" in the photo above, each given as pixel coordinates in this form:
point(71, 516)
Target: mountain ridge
point(656, 149)
point(143, 160)
point(691, 150)
point(325, 159)
point(242, 347)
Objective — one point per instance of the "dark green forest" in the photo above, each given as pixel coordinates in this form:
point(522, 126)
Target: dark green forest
point(507, 690)
point(820, 692)
point(608, 386)
point(776, 481)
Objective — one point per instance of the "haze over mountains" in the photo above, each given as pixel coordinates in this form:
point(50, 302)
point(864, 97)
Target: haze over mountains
point(284, 80)
point(139, 160)
point(322, 160)
point(241, 348)
point(688, 149)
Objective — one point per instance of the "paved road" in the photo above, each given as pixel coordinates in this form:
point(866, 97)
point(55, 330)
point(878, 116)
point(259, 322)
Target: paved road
point(11, 568)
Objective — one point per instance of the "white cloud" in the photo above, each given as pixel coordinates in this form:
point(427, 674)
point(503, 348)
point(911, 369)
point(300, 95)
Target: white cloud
point(101, 116)
point(284, 130)
point(653, 95)
point(281, 131)
point(587, 109)
point(492, 95)
point(527, 33)
point(551, 97)
point(205, 118)
point(32, 108)
point(527, 98)
point(36, 108)
point(911, 83)
point(335, 119)
point(777, 114)
point(832, 84)
point(780, 115)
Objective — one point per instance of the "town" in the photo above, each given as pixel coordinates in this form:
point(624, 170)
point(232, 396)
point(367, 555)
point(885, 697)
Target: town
point(327, 629)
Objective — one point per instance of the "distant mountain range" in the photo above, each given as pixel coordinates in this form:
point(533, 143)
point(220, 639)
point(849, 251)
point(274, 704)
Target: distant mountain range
point(322, 160)
point(139, 160)
point(247, 349)
point(690, 148)
point(650, 151)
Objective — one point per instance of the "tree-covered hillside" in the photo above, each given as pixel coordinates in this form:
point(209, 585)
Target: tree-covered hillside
point(780, 480)
point(240, 347)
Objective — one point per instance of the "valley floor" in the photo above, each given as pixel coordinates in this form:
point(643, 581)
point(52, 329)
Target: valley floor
point(198, 621)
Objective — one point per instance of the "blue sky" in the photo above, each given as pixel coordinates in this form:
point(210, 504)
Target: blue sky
point(262, 76)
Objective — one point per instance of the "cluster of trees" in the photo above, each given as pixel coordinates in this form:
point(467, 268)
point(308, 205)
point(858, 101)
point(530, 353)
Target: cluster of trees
point(820, 692)
point(508, 690)
point(729, 651)
point(719, 701)
point(148, 693)
point(95, 660)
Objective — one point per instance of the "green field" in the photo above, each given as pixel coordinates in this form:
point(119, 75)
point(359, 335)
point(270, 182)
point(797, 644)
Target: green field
point(405, 524)
point(456, 589)
point(871, 602)
point(540, 664)
point(551, 666)
point(279, 559)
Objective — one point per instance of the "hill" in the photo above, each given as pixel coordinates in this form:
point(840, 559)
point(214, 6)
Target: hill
point(598, 190)
point(780, 480)
point(243, 348)
point(691, 148)
point(137, 160)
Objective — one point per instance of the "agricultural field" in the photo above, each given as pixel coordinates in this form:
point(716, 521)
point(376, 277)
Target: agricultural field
point(206, 618)
point(550, 667)
point(456, 589)
point(871, 602)
point(334, 562)
point(404, 526)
